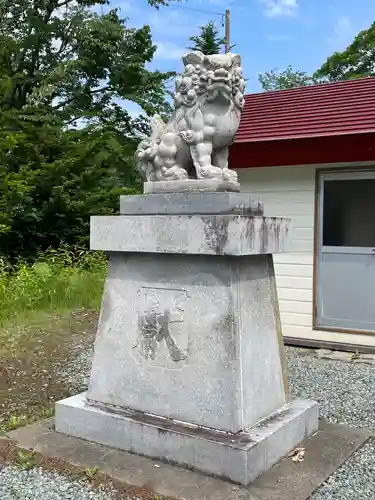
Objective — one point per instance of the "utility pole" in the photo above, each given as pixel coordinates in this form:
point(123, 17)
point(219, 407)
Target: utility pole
point(227, 31)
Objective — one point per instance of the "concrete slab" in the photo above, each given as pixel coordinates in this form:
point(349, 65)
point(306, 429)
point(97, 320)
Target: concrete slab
point(191, 204)
point(325, 452)
point(240, 457)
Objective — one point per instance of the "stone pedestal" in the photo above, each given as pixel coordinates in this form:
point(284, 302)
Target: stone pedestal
point(189, 364)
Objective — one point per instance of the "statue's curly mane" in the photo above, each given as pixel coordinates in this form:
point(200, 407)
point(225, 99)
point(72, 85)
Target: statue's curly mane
point(188, 112)
point(192, 91)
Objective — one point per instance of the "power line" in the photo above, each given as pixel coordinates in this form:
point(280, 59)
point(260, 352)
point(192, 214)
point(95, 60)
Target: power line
point(197, 10)
point(225, 19)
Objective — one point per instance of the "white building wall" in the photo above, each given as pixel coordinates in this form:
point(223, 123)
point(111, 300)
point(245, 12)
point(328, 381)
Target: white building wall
point(290, 192)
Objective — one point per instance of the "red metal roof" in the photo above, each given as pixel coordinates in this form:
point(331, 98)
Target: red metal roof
point(328, 109)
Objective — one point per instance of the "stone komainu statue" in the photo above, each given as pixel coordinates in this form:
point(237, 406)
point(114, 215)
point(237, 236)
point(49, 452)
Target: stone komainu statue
point(194, 144)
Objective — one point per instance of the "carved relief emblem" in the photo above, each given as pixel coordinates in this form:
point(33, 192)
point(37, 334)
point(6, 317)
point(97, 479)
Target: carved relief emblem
point(162, 335)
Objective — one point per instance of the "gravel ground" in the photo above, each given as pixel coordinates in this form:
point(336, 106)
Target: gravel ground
point(36, 484)
point(76, 373)
point(345, 393)
point(355, 480)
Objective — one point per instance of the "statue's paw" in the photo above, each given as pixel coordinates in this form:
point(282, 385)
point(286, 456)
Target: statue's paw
point(176, 173)
point(187, 135)
point(210, 172)
point(229, 175)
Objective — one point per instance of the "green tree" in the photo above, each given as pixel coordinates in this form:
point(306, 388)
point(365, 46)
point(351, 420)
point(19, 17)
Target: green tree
point(287, 79)
point(66, 141)
point(75, 63)
point(357, 60)
point(208, 41)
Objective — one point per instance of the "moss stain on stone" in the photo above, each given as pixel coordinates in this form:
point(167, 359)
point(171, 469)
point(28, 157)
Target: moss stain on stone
point(216, 232)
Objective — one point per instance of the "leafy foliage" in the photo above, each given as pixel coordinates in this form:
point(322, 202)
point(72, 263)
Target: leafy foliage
point(158, 3)
point(58, 280)
point(208, 41)
point(287, 79)
point(74, 62)
point(54, 179)
point(357, 60)
point(66, 141)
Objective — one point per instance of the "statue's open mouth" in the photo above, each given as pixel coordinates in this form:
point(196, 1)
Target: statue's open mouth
point(219, 83)
point(219, 86)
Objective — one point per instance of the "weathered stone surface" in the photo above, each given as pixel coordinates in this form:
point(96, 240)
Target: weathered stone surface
point(191, 204)
point(190, 234)
point(241, 458)
point(188, 356)
point(191, 186)
point(191, 338)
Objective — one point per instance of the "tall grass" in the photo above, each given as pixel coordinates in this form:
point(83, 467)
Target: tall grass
point(69, 278)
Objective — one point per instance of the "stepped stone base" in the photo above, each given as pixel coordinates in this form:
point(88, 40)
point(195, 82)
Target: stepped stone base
point(189, 365)
point(240, 457)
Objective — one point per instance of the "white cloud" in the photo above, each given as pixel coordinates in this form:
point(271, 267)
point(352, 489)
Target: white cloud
point(169, 51)
point(343, 33)
point(277, 8)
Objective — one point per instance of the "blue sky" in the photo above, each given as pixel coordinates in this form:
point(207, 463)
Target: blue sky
point(267, 33)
